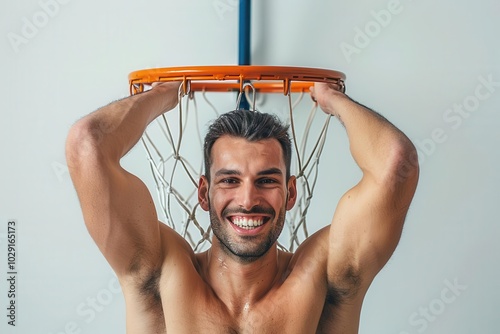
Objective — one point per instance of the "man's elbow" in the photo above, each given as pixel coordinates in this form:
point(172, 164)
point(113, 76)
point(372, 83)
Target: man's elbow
point(404, 166)
point(83, 144)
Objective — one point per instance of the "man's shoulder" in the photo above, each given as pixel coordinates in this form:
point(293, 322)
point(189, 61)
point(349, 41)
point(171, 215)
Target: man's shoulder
point(313, 249)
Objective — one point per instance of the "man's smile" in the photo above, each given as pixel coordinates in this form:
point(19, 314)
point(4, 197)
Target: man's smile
point(248, 222)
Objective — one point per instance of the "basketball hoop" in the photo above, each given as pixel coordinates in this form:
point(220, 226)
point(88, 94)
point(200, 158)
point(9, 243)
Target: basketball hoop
point(269, 79)
point(226, 79)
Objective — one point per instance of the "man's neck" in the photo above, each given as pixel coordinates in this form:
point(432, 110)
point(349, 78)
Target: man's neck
point(240, 284)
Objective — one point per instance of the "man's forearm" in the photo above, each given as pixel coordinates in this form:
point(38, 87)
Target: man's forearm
point(114, 129)
point(377, 146)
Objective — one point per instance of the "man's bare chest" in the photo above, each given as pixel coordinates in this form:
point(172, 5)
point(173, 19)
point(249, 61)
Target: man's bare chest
point(266, 317)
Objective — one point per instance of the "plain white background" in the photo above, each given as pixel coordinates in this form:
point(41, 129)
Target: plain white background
point(423, 66)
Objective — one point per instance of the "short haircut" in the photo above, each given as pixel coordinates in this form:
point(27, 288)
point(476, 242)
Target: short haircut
point(252, 126)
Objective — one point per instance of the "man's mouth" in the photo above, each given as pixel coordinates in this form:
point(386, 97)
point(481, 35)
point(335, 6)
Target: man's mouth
point(248, 223)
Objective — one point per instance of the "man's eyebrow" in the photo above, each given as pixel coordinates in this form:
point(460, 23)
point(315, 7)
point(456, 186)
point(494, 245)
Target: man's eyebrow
point(270, 171)
point(225, 171)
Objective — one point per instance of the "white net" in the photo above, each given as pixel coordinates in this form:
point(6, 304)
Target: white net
point(174, 148)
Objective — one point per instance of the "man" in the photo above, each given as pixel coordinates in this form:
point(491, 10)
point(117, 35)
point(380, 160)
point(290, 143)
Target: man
point(243, 283)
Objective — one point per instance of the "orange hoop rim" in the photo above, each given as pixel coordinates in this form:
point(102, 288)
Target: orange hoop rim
point(265, 79)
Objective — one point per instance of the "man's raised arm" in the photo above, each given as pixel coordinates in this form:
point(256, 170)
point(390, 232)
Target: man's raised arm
point(368, 221)
point(117, 207)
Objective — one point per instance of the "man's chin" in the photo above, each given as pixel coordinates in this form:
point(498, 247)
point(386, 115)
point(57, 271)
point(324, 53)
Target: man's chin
point(246, 256)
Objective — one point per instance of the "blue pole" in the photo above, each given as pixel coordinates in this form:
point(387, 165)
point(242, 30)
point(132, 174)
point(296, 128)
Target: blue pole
point(244, 42)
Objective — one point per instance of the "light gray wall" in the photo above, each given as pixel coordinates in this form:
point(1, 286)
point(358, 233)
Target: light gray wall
point(421, 65)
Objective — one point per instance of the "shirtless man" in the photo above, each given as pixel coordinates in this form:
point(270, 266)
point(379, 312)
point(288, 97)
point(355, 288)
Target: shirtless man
point(243, 283)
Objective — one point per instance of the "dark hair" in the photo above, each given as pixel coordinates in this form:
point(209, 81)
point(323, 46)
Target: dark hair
point(251, 125)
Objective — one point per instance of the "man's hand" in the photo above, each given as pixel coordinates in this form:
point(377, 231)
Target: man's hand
point(325, 95)
point(170, 90)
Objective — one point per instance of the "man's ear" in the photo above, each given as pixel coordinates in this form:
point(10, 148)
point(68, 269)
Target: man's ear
point(292, 192)
point(203, 193)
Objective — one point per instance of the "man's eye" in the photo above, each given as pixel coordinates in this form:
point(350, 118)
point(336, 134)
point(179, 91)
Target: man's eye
point(228, 181)
point(267, 181)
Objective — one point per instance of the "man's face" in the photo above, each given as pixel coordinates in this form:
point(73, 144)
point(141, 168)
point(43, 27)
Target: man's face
point(248, 195)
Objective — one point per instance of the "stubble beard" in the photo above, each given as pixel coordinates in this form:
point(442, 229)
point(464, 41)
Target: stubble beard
point(248, 248)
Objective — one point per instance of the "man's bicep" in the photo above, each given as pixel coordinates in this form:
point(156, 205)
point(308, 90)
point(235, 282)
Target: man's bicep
point(365, 231)
point(120, 216)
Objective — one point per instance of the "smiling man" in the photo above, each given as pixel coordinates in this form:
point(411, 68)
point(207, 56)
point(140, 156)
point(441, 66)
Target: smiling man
point(247, 198)
point(243, 283)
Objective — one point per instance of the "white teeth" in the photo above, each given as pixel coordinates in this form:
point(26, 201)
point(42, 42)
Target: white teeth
point(248, 223)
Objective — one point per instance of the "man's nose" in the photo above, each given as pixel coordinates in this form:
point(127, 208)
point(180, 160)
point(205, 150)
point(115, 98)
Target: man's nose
point(249, 196)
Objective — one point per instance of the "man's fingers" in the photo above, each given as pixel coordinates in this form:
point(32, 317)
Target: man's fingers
point(311, 92)
point(172, 84)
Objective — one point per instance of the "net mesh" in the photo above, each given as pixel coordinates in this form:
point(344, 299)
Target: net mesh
point(174, 147)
